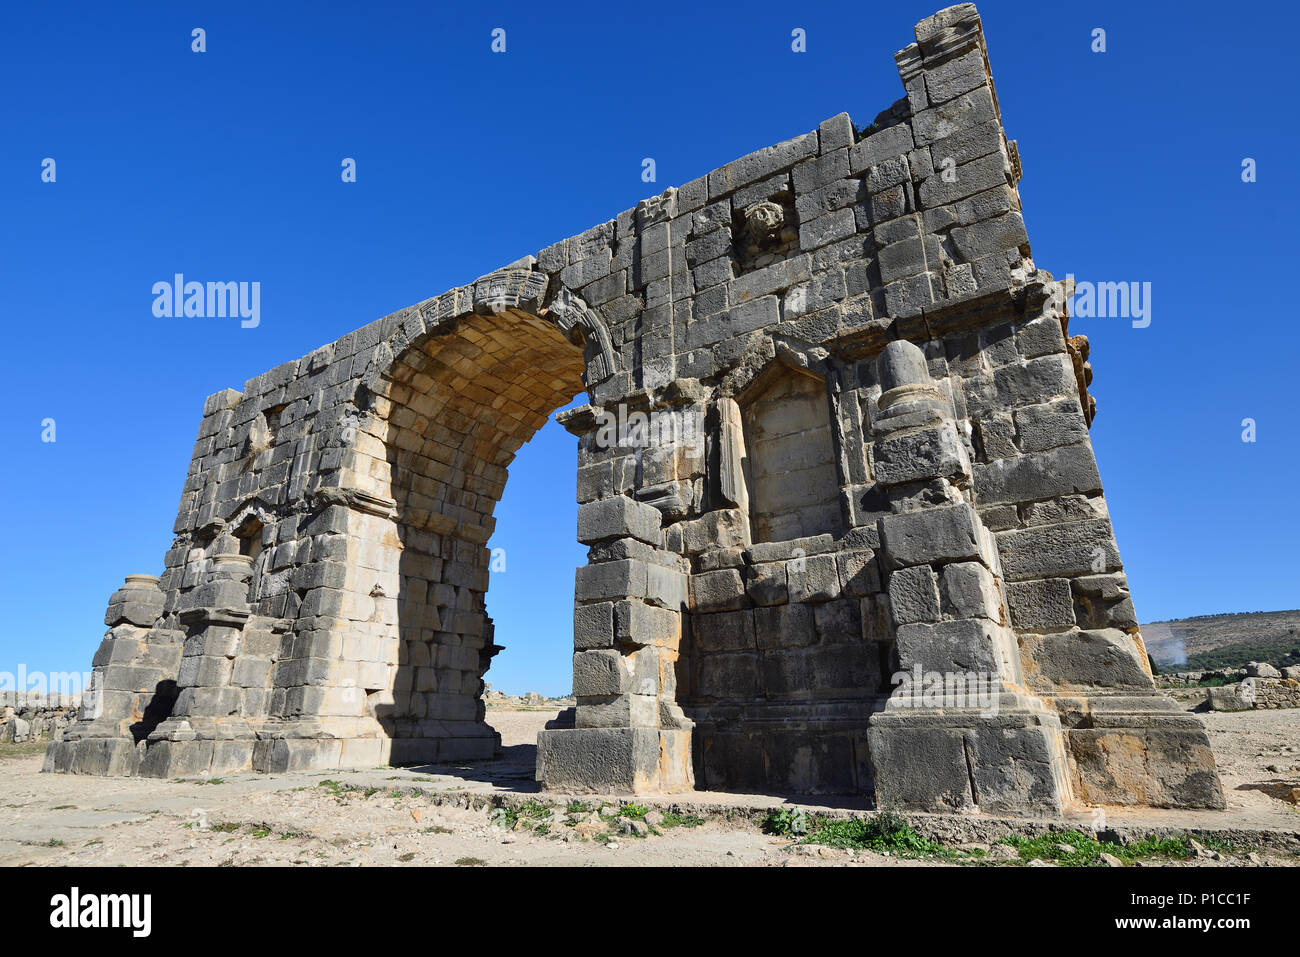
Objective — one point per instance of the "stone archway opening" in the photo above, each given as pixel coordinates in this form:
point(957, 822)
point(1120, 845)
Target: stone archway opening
point(459, 406)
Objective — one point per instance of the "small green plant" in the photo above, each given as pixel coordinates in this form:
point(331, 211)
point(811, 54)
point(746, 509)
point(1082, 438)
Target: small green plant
point(787, 822)
point(535, 810)
point(885, 832)
point(408, 856)
point(470, 862)
point(578, 807)
point(1075, 849)
point(225, 828)
point(634, 811)
point(55, 842)
point(64, 807)
point(436, 829)
point(261, 832)
point(673, 819)
point(503, 817)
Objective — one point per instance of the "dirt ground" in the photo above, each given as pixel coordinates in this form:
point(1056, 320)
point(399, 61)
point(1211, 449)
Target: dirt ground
point(489, 814)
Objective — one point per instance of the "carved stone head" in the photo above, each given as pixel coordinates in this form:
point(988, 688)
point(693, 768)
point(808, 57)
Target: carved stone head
point(765, 220)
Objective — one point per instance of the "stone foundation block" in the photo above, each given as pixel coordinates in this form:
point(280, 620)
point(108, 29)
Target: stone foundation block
point(963, 761)
point(1145, 760)
point(614, 760)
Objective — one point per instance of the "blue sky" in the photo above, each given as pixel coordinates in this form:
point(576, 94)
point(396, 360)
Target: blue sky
point(225, 165)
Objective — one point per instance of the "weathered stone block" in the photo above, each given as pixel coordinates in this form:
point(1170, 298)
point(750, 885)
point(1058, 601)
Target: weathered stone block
point(1103, 601)
point(767, 583)
point(813, 579)
point(1101, 658)
point(784, 626)
point(611, 580)
point(970, 591)
point(722, 590)
point(920, 455)
point(1058, 551)
point(859, 572)
point(1050, 424)
point(935, 535)
point(1041, 605)
point(619, 517)
point(962, 645)
point(724, 631)
point(593, 626)
point(914, 595)
point(637, 623)
point(600, 672)
point(729, 676)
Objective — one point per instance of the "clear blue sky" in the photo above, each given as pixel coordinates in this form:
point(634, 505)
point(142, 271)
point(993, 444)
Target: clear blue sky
point(225, 165)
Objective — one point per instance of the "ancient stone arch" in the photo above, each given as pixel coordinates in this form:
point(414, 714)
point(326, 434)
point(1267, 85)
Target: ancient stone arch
point(846, 529)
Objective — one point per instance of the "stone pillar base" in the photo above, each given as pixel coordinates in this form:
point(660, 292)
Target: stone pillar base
point(1139, 750)
point(963, 760)
point(615, 760)
point(116, 756)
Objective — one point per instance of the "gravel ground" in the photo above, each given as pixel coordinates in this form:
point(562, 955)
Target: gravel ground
point(444, 815)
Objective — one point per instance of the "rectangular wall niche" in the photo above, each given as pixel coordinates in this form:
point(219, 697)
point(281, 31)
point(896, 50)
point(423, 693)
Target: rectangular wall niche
point(790, 461)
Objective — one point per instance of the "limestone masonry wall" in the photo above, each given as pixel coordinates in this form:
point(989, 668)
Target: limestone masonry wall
point(868, 455)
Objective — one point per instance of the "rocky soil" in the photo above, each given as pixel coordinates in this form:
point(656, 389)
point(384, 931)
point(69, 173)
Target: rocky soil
point(489, 815)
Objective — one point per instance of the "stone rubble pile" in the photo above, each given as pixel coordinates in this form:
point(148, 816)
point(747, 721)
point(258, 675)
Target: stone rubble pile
point(29, 716)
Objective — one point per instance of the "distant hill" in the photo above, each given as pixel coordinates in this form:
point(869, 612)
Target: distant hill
point(1224, 641)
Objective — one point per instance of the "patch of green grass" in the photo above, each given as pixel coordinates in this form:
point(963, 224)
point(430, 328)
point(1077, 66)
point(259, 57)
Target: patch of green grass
point(534, 810)
point(64, 807)
point(578, 807)
point(470, 862)
point(55, 842)
point(261, 832)
point(634, 811)
point(408, 856)
point(1076, 849)
point(225, 828)
point(213, 781)
point(883, 833)
point(436, 829)
point(1226, 847)
point(673, 819)
point(23, 749)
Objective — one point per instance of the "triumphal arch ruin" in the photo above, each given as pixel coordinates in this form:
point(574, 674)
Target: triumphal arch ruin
point(875, 556)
